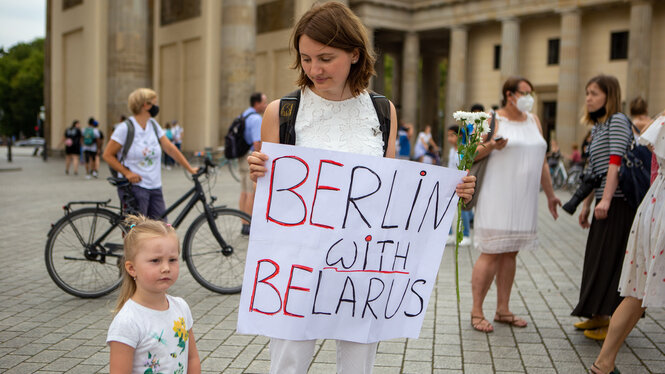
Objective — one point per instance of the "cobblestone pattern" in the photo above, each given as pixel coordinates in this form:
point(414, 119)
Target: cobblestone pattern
point(44, 330)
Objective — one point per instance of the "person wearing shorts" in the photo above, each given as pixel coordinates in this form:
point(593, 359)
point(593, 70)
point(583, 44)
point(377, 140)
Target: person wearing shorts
point(253, 117)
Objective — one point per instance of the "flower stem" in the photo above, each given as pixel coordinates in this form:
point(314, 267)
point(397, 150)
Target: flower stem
point(458, 234)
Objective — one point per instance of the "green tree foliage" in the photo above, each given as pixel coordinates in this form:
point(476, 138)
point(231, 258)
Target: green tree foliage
point(21, 87)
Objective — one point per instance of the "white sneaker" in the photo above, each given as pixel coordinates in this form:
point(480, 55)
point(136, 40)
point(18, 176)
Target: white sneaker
point(450, 240)
point(465, 241)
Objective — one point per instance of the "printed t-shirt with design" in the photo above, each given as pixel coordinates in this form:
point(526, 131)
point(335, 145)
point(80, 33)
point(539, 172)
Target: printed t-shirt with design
point(160, 338)
point(145, 155)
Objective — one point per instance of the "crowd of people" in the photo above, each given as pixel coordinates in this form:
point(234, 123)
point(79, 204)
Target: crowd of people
point(623, 261)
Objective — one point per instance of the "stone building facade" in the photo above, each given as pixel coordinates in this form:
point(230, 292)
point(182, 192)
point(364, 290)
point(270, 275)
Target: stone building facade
point(204, 57)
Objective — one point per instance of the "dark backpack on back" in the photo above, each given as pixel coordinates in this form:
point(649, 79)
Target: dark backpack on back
point(235, 145)
point(288, 110)
point(129, 139)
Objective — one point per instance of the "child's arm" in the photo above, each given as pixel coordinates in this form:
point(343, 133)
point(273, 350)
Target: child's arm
point(193, 360)
point(122, 358)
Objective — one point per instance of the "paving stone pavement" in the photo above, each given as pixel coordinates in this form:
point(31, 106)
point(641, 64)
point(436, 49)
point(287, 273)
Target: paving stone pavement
point(44, 330)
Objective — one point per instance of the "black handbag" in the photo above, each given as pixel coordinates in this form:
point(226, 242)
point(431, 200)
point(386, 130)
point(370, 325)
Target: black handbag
point(478, 168)
point(635, 172)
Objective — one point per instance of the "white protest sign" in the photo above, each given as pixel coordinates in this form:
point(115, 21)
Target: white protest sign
point(344, 246)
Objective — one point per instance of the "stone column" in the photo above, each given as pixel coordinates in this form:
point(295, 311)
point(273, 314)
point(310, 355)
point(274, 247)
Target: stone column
point(456, 76)
point(510, 51)
point(410, 58)
point(457, 62)
point(129, 51)
point(430, 95)
point(379, 82)
point(568, 95)
point(237, 58)
point(639, 50)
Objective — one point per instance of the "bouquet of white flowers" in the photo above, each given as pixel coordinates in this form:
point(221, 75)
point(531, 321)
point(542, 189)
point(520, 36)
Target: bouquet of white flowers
point(472, 128)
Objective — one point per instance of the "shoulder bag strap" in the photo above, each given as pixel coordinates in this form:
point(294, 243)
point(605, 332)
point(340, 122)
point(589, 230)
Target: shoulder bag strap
point(288, 110)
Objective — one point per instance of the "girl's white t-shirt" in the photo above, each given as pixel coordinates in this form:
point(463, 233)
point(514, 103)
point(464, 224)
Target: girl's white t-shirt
point(145, 155)
point(160, 337)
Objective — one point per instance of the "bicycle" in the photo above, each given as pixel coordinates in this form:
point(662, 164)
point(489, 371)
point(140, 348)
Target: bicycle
point(217, 157)
point(84, 249)
point(558, 172)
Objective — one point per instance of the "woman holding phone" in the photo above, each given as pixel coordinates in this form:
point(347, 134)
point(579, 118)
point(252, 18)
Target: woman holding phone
point(506, 213)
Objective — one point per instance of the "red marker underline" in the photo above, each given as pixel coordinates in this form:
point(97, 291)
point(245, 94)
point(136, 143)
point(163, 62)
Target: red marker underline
point(366, 271)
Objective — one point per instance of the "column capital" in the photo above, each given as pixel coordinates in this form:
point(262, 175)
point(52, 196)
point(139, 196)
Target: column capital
point(507, 19)
point(573, 10)
point(460, 27)
point(640, 2)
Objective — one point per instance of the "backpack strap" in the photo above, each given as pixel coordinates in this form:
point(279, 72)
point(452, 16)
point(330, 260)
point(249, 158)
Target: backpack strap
point(288, 110)
point(129, 139)
point(382, 107)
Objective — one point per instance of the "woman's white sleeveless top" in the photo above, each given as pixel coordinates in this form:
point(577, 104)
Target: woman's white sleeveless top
point(349, 125)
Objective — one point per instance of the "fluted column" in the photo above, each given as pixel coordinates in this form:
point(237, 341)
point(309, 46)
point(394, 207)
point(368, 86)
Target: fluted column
point(129, 47)
point(568, 96)
point(639, 50)
point(510, 51)
point(410, 58)
point(456, 90)
point(237, 58)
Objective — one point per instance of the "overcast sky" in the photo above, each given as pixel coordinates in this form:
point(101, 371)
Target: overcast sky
point(21, 21)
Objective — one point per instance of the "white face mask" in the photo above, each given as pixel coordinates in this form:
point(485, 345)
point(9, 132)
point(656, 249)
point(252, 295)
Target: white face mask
point(525, 103)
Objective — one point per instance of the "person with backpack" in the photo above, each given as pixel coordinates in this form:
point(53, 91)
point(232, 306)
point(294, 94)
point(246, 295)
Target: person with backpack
point(332, 110)
point(135, 151)
point(90, 138)
point(252, 118)
point(72, 140)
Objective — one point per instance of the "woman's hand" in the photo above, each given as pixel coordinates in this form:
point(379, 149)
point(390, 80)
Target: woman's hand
point(133, 178)
point(498, 144)
point(600, 212)
point(584, 217)
point(465, 189)
point(257, 165)
point(552, 203)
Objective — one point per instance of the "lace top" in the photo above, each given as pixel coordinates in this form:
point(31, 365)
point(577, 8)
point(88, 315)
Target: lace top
point(349, 125)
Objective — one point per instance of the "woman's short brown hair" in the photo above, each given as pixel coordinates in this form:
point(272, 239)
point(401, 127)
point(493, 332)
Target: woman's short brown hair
point(638, 106)
point(512, 84)
point(610, 87)
point(335, 25)
point(139, 97)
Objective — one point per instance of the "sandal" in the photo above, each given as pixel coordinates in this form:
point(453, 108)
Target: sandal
point(596, 370)
point(510, 319)
point(479, 325)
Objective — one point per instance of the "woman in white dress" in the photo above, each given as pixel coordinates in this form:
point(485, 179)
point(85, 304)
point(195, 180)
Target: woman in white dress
point(506, 212)
point(423, 144)
point(642, 282)
point(336, 113)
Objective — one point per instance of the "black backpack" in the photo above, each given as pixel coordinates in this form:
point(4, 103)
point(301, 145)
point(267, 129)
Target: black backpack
point(128, 143)
point(288, 110)
point(235, 145)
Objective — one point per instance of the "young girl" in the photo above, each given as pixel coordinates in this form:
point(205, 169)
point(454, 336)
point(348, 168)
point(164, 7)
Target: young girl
point(151, 331)
point(336, 113)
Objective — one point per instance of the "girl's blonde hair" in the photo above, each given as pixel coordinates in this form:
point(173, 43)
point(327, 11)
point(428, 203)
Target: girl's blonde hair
point(334, 24)
point(139, 228)
point(139, 97)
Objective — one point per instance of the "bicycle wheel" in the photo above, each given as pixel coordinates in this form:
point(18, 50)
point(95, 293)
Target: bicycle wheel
point(217, 269)
point(233, 169)
point(557, 180)
point(84, 252)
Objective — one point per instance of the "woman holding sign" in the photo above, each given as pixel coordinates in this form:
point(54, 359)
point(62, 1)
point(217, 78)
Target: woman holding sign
point(334, 111)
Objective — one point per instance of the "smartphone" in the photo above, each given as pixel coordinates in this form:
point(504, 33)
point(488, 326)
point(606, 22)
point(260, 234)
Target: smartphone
point(498, 138)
